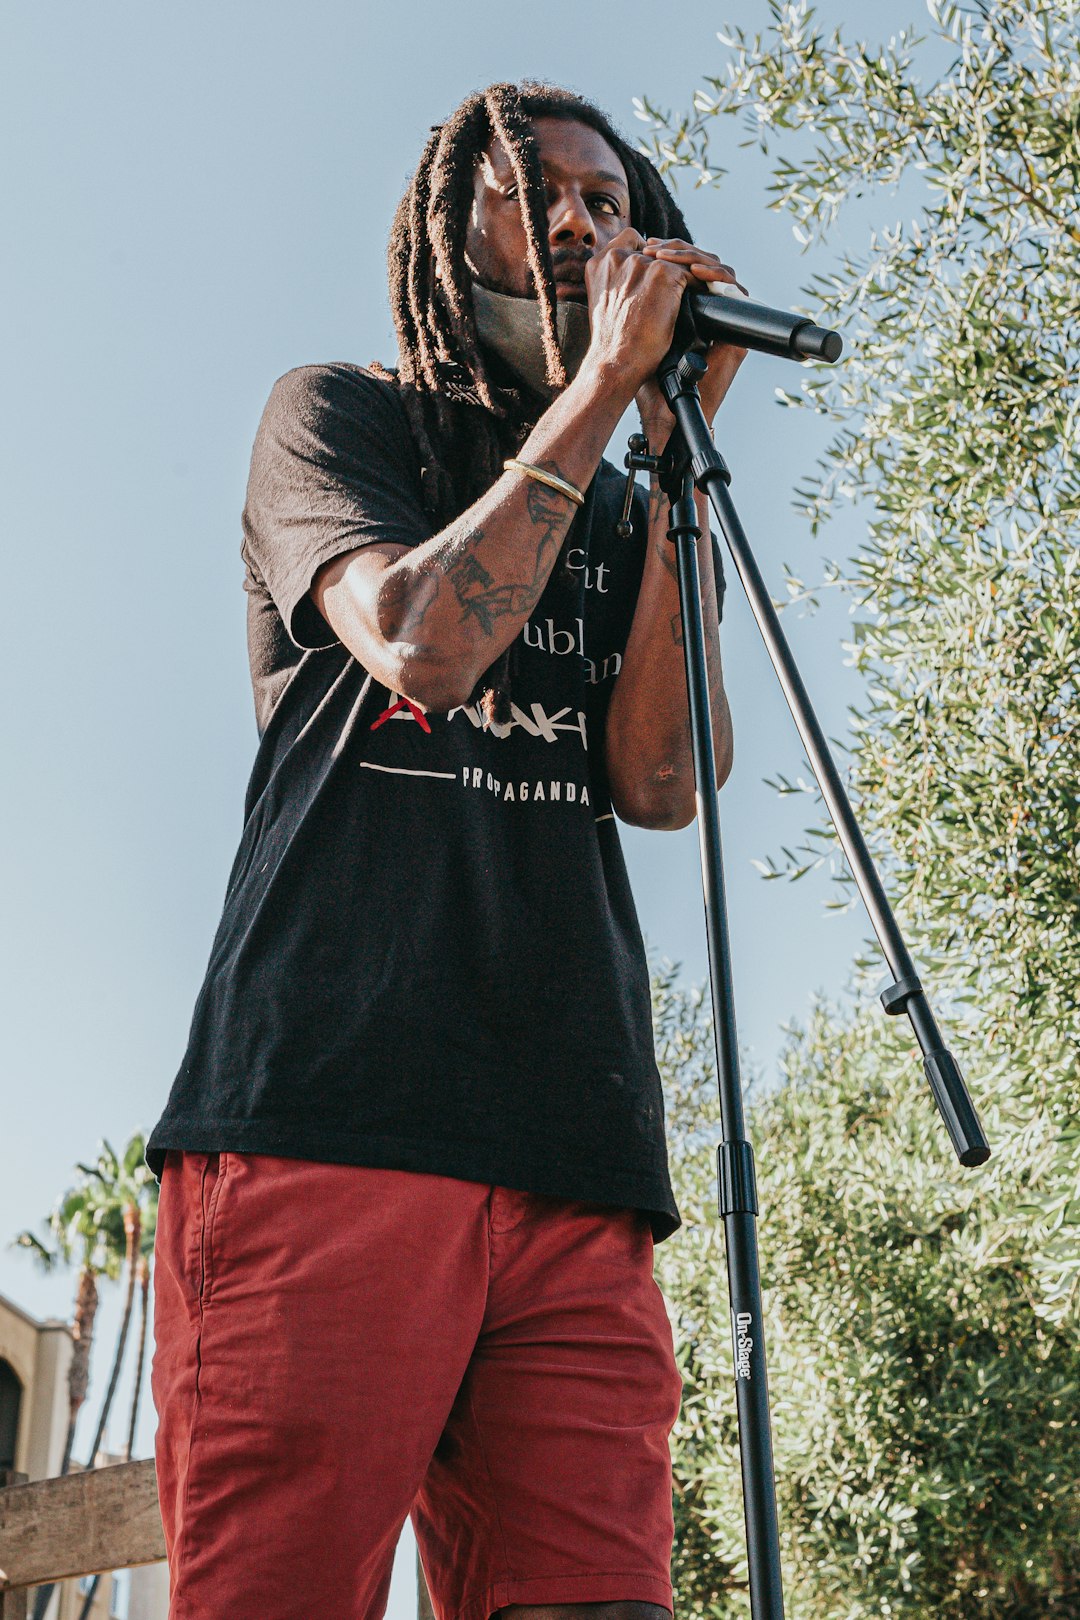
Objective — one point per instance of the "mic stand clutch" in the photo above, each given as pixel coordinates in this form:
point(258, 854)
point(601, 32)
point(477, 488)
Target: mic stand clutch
point(691, 460)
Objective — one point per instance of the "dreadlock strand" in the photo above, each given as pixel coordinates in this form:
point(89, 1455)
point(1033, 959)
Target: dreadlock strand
point(447, 213)
point(494, 691)
point(418, 284)
point(404, 319)
point(513, 126)
point(658, 203)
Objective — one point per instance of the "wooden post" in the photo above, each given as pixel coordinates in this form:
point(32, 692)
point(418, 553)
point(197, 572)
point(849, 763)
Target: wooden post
point(12, 1604)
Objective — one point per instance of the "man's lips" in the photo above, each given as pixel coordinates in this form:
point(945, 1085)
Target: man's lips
point(570, 267)
point(570, 281)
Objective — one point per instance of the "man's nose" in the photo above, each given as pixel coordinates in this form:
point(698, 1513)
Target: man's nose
point(569, 220)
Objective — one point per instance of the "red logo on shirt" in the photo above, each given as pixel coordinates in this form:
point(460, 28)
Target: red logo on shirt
point(395, 708)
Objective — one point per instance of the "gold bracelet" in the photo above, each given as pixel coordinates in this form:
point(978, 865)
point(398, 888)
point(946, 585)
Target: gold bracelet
point(552, 480)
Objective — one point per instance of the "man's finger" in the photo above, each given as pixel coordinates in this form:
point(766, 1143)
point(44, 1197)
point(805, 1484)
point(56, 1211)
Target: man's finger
point(627, 241)
point(724, 283)
point(680, 250)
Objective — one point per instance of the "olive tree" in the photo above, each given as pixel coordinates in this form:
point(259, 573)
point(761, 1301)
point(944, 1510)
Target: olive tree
point(928, 1319)
point(926, 1415)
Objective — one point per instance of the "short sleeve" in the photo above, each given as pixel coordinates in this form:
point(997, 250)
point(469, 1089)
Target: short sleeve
point(334, 467)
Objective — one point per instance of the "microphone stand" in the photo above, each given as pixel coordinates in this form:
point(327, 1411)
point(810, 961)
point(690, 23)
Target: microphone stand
point(691, 460)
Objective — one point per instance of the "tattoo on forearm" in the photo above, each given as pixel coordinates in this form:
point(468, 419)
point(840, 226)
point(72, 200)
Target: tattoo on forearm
point(676, 629)
point(471, 580)
point(548, 509)
point(481, 596)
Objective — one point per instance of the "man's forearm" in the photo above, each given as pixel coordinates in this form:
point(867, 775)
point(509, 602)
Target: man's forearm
point(648, 750)
point(455, 603)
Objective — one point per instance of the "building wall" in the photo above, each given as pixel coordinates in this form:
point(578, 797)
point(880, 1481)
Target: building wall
point(149, 1592)
point(40, 1355)
point(140, 1594)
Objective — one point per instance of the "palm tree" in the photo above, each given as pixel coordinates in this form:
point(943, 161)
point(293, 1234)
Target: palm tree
point(121, 1189)
point(102, 1220)
point(79, 1240)
point(125, 1185)
point(145, 1262)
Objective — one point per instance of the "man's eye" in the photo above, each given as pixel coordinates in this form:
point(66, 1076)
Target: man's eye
point(609, 204)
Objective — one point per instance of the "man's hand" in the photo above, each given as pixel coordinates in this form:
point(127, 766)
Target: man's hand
point(724, 359)
point(635, 287)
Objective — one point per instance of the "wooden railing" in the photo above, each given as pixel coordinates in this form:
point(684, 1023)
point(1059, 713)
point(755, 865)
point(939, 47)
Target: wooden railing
point(86, 1524)
point(83, 1524)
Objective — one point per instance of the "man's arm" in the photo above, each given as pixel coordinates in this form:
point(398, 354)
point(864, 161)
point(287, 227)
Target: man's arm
point(649, 757)
point(428, 620)
point(648, 753)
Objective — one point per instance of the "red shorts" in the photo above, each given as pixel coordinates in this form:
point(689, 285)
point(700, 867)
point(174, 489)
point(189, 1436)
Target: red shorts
point(338, 1347)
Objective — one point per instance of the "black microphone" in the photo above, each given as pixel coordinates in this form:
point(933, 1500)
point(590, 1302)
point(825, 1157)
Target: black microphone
point(720, 319)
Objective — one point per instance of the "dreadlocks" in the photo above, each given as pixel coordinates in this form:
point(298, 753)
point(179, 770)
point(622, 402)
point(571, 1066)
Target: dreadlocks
point(463, 422)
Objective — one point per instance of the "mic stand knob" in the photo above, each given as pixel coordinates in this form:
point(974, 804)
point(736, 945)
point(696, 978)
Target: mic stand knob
point(637, 459)
point(691, 368)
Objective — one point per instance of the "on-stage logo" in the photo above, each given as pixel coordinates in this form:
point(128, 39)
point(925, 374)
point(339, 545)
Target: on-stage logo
point(742, 1343)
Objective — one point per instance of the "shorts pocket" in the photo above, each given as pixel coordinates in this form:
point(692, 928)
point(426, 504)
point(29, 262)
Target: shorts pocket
point(211, 1183)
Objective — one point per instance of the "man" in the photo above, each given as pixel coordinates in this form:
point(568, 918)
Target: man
point(413, 1165)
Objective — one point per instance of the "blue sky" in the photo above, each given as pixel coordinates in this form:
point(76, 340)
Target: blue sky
point(201, 200)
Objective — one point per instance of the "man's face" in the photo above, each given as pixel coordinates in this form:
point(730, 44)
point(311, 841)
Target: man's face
point(587, 204)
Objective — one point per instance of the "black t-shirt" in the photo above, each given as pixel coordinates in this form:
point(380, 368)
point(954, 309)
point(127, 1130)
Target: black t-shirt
point(428, 957)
